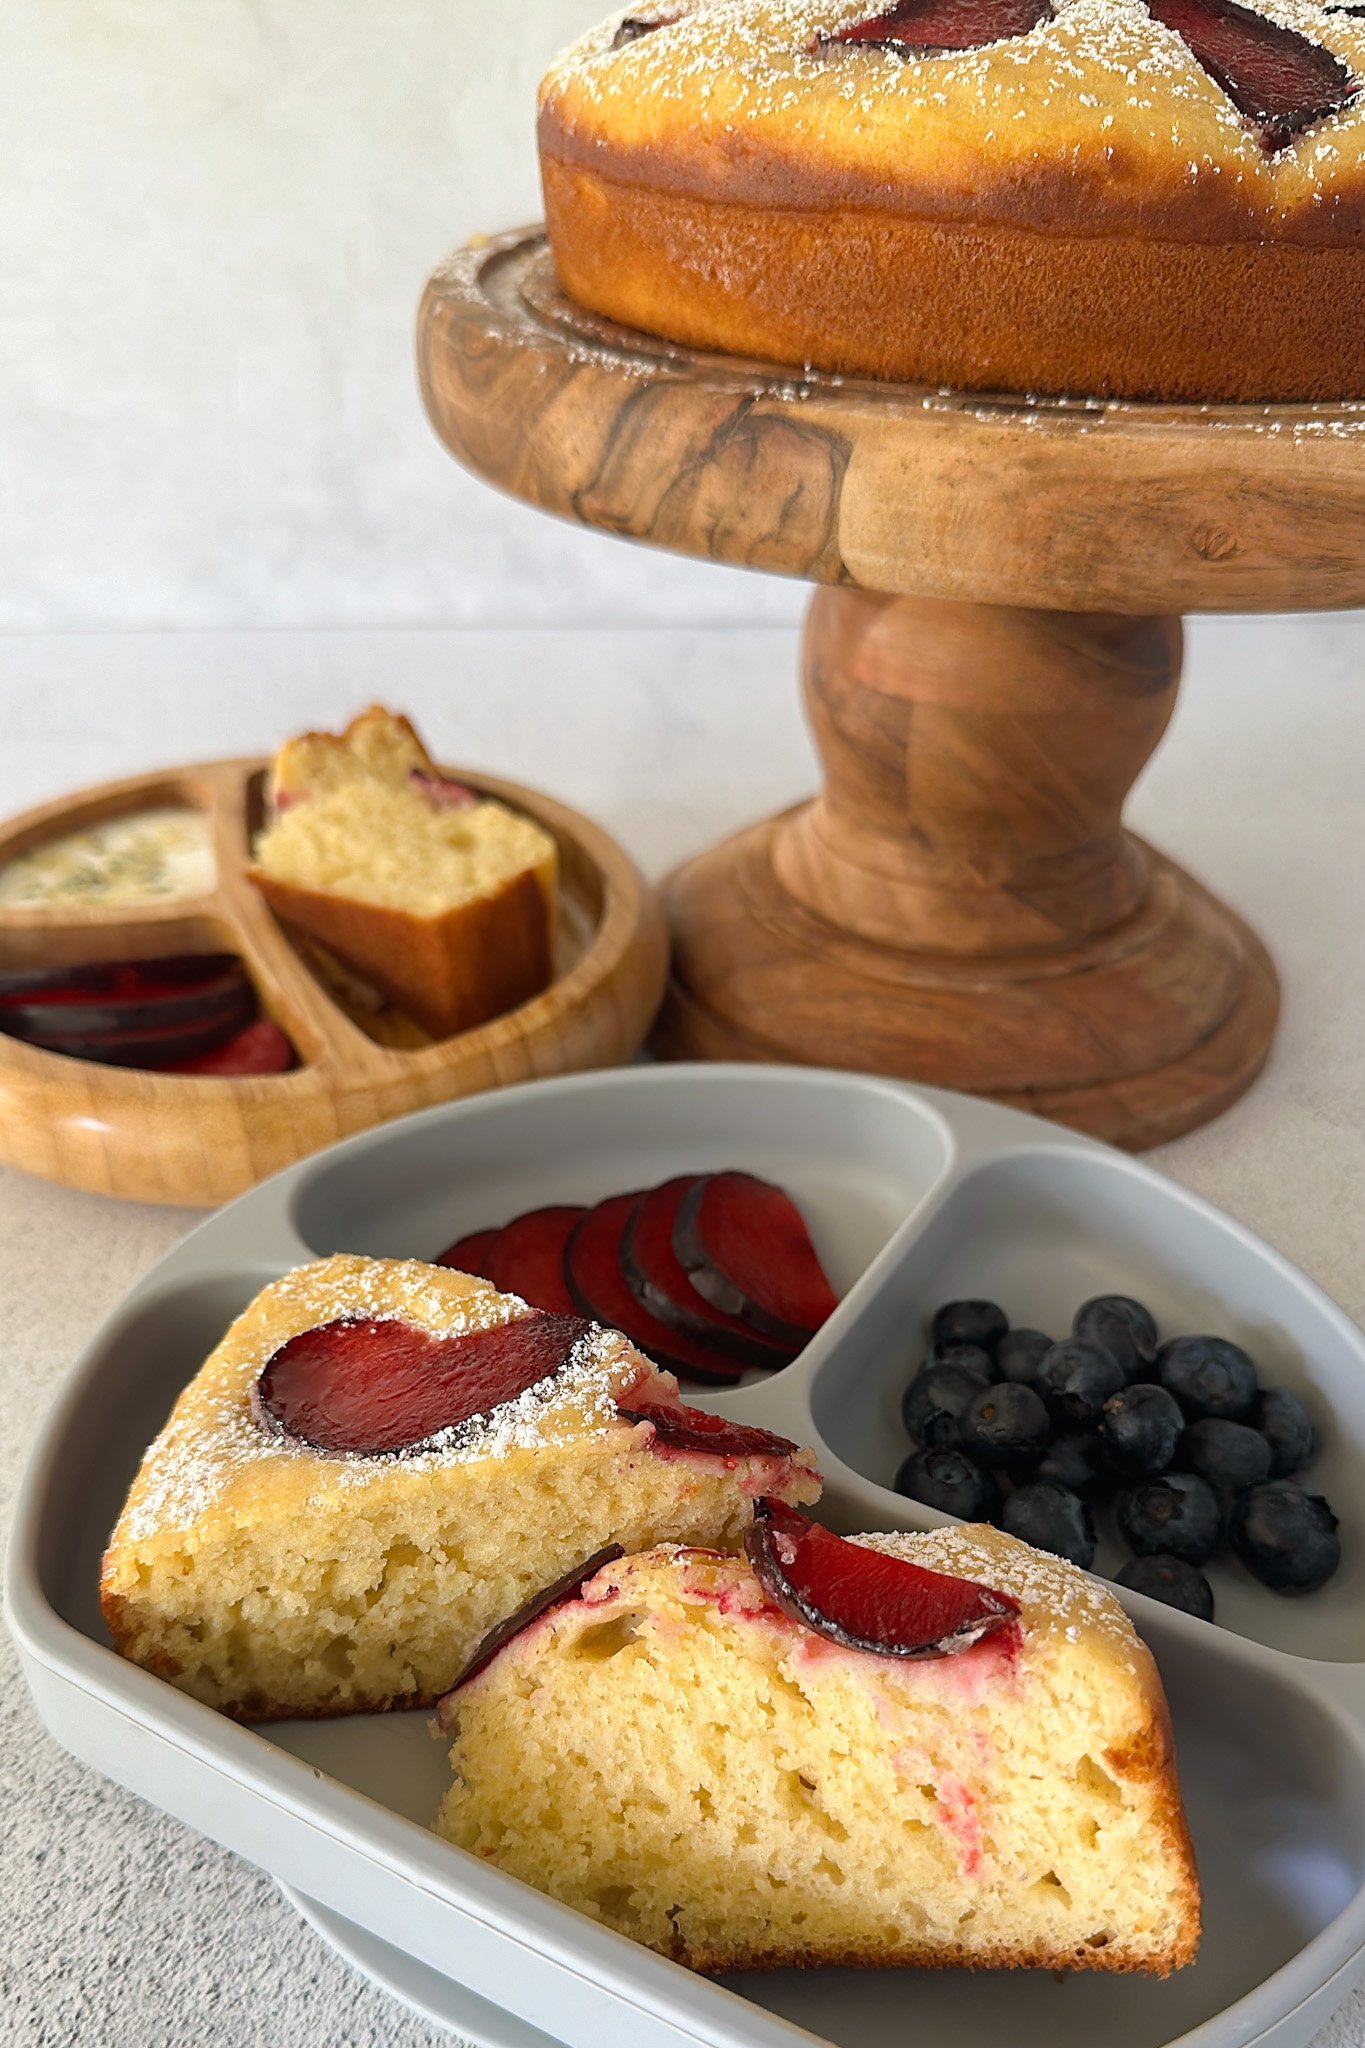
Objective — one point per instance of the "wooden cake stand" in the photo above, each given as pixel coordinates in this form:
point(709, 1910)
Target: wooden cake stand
point(994, 656)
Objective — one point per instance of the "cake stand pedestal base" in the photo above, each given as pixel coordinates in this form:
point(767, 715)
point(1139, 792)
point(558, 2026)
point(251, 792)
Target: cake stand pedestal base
point(962, 904)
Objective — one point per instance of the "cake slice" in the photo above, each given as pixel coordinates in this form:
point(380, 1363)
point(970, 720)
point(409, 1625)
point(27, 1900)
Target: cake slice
point(945, 1749)
point(383, 1459)
point(442, 899)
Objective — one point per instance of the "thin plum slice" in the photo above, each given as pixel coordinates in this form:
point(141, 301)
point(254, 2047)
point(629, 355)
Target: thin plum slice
point(863, 1599)
point(363, 1388)
point(1276, 78)
point(467, 1254)
point(80, 1002)
point(597, 1285)
point(660, 1282)
point(692, 1429)
point(925, 27)
point(527, 1257)
point(745, 1246)
point(262, 1048)
point(145, 1046)
point(558, 1595)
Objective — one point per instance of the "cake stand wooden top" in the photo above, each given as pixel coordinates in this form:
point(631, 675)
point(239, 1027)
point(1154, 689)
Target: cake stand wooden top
point(1069, 504)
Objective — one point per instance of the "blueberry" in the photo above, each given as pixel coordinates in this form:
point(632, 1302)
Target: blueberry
point(1208, 1376)
point(949, 1482)
point(1005, 1427)
point(1287, 1537)
point(1178, 1514)
point(970, 1355)
point(1047, 1516)
point(1228, 1454)
point(1118, 1324)
point(935, 1403)
point(969, 1322)
point(1140, 1428)
point(1283, 1421)
point(1077, 1462)
point(1076, 1380)
point(1162, 1577)
point(1019, 1354)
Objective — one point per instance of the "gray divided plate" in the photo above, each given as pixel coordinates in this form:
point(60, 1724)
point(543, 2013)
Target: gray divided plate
point(913, 1197)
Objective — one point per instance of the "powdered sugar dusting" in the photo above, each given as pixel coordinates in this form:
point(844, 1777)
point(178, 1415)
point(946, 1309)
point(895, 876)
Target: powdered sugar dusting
point(1101, 85)
point(1057, 1598)
point(212, 1439)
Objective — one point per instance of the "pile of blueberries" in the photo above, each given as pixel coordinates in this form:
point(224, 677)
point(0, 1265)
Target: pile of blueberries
point(1012, 1428)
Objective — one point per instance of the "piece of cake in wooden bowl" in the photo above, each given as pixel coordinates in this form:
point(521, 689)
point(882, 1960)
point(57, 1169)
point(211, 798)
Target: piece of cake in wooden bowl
point(382, 1460)
point(440, 898)
point(944, 1749)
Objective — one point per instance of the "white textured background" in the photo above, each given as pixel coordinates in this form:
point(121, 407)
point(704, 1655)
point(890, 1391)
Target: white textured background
point(216, 217)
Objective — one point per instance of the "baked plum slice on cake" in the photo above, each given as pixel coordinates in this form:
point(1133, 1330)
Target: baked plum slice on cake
point(379, 1463)
point(673, 1752)
point(918, 26)
point(868, 1600)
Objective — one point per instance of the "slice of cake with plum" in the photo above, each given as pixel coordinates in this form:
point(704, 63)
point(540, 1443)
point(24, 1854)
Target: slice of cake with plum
point(383, 1459)
point(937, 1750)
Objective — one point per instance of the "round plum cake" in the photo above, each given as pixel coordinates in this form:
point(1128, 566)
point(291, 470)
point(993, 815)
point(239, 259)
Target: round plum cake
point(1138, 198)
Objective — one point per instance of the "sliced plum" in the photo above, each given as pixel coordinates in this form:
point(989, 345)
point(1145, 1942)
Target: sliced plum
point(863, 1599)
point(363, 1388)
point(262, 1048)
point(745, 1246)
point(70, 1014)
point(145, 1046)
point(927, 27)
point(558, 1595)
point(527, 1257)
point(659, 1280)
point(111, 994)
point(692, 1429)
point(467, 1254)
point(1278, 80)
point(597, 1285)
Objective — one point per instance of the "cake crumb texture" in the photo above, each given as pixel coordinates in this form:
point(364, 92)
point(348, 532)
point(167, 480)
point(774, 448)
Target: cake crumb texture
point(268, 1579)
point(443, 900)
point(679, 1761)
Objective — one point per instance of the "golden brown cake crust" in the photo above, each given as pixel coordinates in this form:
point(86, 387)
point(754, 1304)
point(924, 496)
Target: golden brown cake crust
point(1077, 209)
point(476, 961)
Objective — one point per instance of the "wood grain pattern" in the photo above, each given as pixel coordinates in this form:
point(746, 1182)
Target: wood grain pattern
point(1082, 505)
point(962, 904)
point(996, 657)
point(177, 1138)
